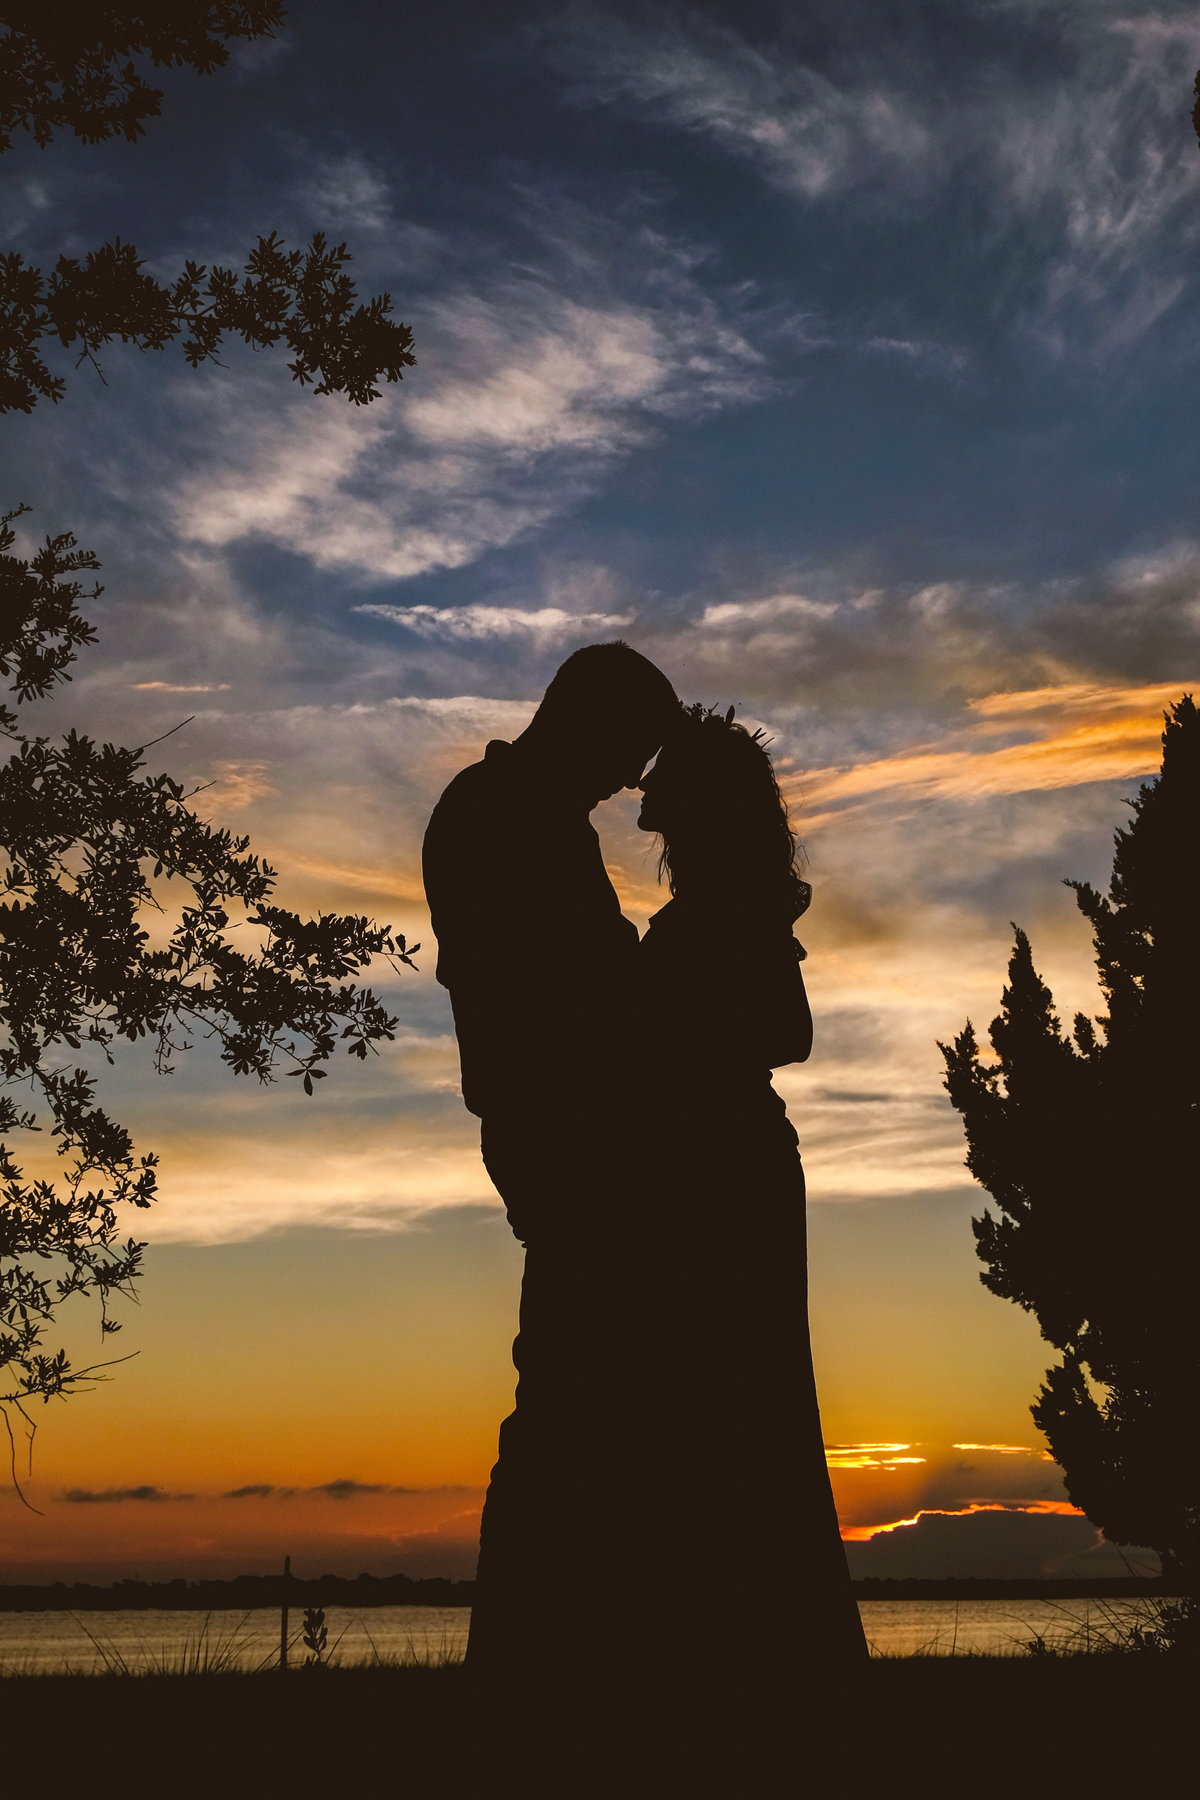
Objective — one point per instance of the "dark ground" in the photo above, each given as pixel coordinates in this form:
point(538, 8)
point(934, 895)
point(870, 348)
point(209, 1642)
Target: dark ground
point(1102, 1725)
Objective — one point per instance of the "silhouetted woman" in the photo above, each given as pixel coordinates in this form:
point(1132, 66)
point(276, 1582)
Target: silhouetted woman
point(731, 1434)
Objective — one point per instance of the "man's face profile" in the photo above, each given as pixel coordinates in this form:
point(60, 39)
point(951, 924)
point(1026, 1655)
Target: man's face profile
point(621, 760)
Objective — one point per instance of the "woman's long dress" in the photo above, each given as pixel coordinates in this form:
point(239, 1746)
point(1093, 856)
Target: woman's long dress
point(731, 1432)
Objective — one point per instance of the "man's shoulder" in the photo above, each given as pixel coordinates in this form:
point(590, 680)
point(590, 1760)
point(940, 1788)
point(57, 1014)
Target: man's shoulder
point(471, 813)
point(491, 775)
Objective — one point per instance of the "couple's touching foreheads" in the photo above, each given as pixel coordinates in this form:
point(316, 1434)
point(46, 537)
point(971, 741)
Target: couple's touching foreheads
point(664, 1452)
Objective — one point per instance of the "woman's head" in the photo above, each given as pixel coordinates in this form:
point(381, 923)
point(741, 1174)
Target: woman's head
point(713, 799)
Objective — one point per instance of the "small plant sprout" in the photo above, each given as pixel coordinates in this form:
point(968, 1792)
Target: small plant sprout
point(316, 1637)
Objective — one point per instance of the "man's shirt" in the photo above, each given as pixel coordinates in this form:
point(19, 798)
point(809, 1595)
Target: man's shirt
point(532, 945)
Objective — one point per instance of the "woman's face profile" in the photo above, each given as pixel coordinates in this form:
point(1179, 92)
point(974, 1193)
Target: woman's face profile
point(666, 789)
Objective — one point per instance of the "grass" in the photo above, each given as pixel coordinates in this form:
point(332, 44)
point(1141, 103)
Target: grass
point(1084, 1722)
point(193, 1723)
point(201, 1653)
point(235, 1649)
point(1156, 1626)
point(1162, 1626)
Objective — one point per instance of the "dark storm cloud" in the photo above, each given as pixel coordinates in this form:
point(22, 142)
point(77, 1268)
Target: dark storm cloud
point(345, 1489)
point(1008, 1544)
point(98, 1497)
point(351, 1490)
point(341, 1489)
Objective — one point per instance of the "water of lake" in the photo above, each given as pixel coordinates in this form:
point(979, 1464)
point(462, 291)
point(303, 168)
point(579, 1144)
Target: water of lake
point(51, 1643)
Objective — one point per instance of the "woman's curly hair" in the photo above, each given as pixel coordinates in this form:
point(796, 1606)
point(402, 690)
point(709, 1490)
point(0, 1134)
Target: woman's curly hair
point(726, 802)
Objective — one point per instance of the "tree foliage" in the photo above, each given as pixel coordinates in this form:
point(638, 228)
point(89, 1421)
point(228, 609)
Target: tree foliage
point(64, 67)
point(67, 67)
point(1089, 1146)
point(118, 910)
point(119, 904)
point(304, 298)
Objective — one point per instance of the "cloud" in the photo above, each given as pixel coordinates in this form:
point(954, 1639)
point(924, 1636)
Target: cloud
point(1098, 171)
point(992, 1542)
point(547, 624)
point(319, 1171)
point(1004, 1449)
point(811, 133)
point(533, 381)
point(918, 350)
point(831, 649)
point(233, 785)
point(93, 1497)
point(343, 1488)
point(868, 1456)
point(177, 687)
point(349, 192)
point(1124, 742)
point(1083, 195)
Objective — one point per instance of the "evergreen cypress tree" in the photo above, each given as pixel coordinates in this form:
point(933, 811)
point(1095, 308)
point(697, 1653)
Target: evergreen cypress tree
point(1089, 1147)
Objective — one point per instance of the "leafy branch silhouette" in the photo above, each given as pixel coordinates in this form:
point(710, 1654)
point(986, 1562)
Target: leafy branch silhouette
point(302, 298)
point(91, 846)
point(68, 67)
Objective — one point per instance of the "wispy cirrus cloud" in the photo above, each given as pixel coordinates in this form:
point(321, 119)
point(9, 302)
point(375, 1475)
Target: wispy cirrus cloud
point(810, 132)
point(1067, 746)
point(1100, 168)
point(1083, 170)
point(532, 382)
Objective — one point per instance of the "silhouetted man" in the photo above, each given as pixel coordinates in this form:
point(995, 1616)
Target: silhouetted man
point(538, 961)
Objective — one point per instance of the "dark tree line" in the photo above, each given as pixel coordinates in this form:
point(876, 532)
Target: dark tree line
point(1090, 1146)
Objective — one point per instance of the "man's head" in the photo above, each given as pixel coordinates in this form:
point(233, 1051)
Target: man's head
point(603, 716)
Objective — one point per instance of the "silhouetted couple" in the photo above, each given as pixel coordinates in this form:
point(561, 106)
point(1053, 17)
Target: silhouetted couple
point(659, 1518)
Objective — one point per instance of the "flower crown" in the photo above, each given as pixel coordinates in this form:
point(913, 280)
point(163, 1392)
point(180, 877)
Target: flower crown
point(699, 714)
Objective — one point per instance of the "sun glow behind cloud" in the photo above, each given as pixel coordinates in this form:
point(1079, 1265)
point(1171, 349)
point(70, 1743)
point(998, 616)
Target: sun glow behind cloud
point(861, 1534)
point(1081, 734)
point(868, 1456)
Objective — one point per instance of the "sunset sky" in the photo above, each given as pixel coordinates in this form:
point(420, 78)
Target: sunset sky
point(842, 358)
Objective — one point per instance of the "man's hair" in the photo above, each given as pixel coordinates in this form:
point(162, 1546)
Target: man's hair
point(602, 678)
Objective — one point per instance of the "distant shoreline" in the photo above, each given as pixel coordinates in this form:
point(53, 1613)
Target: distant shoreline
point(247, 1591)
